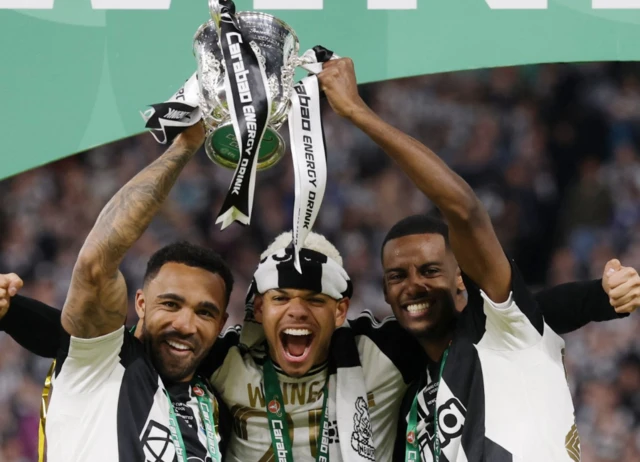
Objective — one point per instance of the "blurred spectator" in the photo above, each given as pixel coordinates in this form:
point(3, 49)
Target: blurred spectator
point(551, 150)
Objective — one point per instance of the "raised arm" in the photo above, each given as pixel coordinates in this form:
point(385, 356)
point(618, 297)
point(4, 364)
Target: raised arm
point(472, 238)
point(568, 307)
point(34, 325)
point(97, 300)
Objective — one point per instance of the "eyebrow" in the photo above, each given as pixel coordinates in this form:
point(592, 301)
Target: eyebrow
point(284, 292)
point(179, 298)
point(424, 265)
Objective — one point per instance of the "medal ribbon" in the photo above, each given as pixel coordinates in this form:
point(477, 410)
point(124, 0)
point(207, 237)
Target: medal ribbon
point(280, 438)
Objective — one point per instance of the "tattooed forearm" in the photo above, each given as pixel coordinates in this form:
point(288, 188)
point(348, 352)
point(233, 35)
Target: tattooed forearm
point(128, 214)
point(97, 301)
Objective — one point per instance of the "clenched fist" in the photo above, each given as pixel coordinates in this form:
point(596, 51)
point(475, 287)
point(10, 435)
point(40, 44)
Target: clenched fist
point(622, 285)
point(338, 81)
point(10, 284)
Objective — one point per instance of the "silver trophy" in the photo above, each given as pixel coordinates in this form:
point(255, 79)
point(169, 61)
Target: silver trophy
point(276, 46)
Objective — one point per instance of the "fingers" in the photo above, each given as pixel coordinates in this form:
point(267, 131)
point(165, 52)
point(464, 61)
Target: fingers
point(334, 68)
point(10, 284)
point(622, 276)
point(328, 75)
point(628, 307)
point(611, 267)
point(338, 63)
point(625, 294)
point(16, 285)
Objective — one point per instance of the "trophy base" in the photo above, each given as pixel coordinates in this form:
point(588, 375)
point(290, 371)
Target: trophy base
point(222, 148)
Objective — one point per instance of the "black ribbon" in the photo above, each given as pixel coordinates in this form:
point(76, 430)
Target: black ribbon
point(247, 90)
point(322, 54)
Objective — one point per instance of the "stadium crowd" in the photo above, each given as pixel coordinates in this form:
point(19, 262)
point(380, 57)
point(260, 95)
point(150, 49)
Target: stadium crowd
point(552, 150)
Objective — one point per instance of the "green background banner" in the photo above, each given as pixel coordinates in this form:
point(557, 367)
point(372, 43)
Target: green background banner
point(74, 74)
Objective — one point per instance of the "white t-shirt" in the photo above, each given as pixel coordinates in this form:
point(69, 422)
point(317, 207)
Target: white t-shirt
point(504, 395)
point(109, 404)
point(385, 353)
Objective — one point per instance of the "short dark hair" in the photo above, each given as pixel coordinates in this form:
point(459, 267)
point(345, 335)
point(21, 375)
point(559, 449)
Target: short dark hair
point(190, 255)
point(417, 224)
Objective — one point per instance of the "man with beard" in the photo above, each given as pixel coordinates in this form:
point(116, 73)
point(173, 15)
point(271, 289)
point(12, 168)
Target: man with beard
point(495, 388)
point(426, 290)
point(298, 370)
point(294, 343)
point(121, 395)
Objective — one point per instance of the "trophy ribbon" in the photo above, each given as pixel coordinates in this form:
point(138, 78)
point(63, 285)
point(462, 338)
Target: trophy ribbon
point(307, 149)
point(167, 120)
point(249, 103)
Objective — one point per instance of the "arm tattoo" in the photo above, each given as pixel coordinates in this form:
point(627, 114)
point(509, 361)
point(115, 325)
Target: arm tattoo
point(97, 300)
point(128, 214)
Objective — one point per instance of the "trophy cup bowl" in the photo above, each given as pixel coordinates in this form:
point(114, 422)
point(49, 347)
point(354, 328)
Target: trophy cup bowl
point(276, 46)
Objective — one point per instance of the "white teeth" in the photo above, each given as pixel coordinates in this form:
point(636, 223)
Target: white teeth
point(177, 346)
point(297, 332)
point(417, 307)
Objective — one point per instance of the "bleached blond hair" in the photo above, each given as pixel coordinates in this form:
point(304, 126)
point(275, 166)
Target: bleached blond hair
point(314, 241)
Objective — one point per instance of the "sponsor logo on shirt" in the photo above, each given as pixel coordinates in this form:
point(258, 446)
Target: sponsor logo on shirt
point(362, 432)
point(157, 444)
point(198, 391)
point(274, 408)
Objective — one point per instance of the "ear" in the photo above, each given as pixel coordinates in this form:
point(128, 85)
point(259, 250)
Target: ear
point(341, 311)
point(140, 304)
point(257, 308)
point(222, 323)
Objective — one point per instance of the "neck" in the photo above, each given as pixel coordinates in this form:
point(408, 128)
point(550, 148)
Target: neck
point(434, 348)
point(168, 381)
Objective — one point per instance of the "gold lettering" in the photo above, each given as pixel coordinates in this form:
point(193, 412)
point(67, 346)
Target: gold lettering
point(298, 389)
point(313, 393)
point(253, 397)
point(314, 430)
point(242, 414)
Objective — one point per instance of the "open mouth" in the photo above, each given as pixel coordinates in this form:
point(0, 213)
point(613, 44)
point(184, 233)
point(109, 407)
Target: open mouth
point(418, 308)
point(296, 344)
point(178, 347)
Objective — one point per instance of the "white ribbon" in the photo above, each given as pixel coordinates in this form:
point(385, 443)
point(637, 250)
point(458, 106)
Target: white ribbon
point(309, 159)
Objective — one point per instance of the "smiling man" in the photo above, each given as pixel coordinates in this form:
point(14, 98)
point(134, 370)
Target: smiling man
point(304, 384)
point(492, 367)
point(120, 396)
point(495, 388)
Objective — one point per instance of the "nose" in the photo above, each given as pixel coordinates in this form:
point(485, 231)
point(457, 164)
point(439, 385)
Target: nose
point(184, 321)
point(415, 283)
point(297, 310)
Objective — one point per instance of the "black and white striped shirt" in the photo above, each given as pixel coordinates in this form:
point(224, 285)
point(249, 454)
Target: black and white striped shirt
point(108, 403)
point(504, 395)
